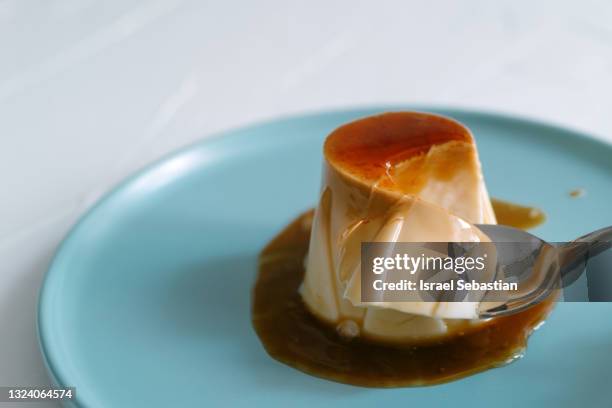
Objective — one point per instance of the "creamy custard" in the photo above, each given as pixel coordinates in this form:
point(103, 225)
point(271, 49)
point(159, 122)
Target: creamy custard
point(395, 177)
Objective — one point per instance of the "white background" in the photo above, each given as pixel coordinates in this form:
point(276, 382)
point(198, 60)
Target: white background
point(91, 90)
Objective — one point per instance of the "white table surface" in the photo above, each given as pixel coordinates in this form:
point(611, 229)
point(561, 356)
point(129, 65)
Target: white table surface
point(91, 90)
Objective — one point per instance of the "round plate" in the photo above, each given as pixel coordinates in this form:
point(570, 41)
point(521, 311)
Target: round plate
point(147, 302)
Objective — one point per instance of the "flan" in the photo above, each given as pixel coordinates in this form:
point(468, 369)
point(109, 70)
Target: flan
point(394, 177)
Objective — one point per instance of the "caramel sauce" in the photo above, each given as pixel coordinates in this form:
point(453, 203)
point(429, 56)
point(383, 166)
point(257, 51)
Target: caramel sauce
point(517, 216)
point(577, 193)
point(293, 336)
point(398, 136)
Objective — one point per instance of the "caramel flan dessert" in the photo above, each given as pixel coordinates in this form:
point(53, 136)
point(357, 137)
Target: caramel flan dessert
point(393, 177)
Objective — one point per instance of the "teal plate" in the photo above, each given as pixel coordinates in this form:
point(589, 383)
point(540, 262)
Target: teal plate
point(147, 302)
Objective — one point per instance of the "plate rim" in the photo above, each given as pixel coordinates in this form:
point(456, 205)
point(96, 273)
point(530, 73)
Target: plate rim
point(51, 354)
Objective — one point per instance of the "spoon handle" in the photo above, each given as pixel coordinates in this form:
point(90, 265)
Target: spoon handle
point(579, 251)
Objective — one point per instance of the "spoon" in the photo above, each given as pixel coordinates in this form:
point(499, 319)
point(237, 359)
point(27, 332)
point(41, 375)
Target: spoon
point(541, 267)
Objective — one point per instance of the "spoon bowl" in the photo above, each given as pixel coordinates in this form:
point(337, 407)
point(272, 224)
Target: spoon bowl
point(541, 268)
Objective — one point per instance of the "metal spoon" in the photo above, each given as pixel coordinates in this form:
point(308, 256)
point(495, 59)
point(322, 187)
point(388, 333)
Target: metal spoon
point(549, 267)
